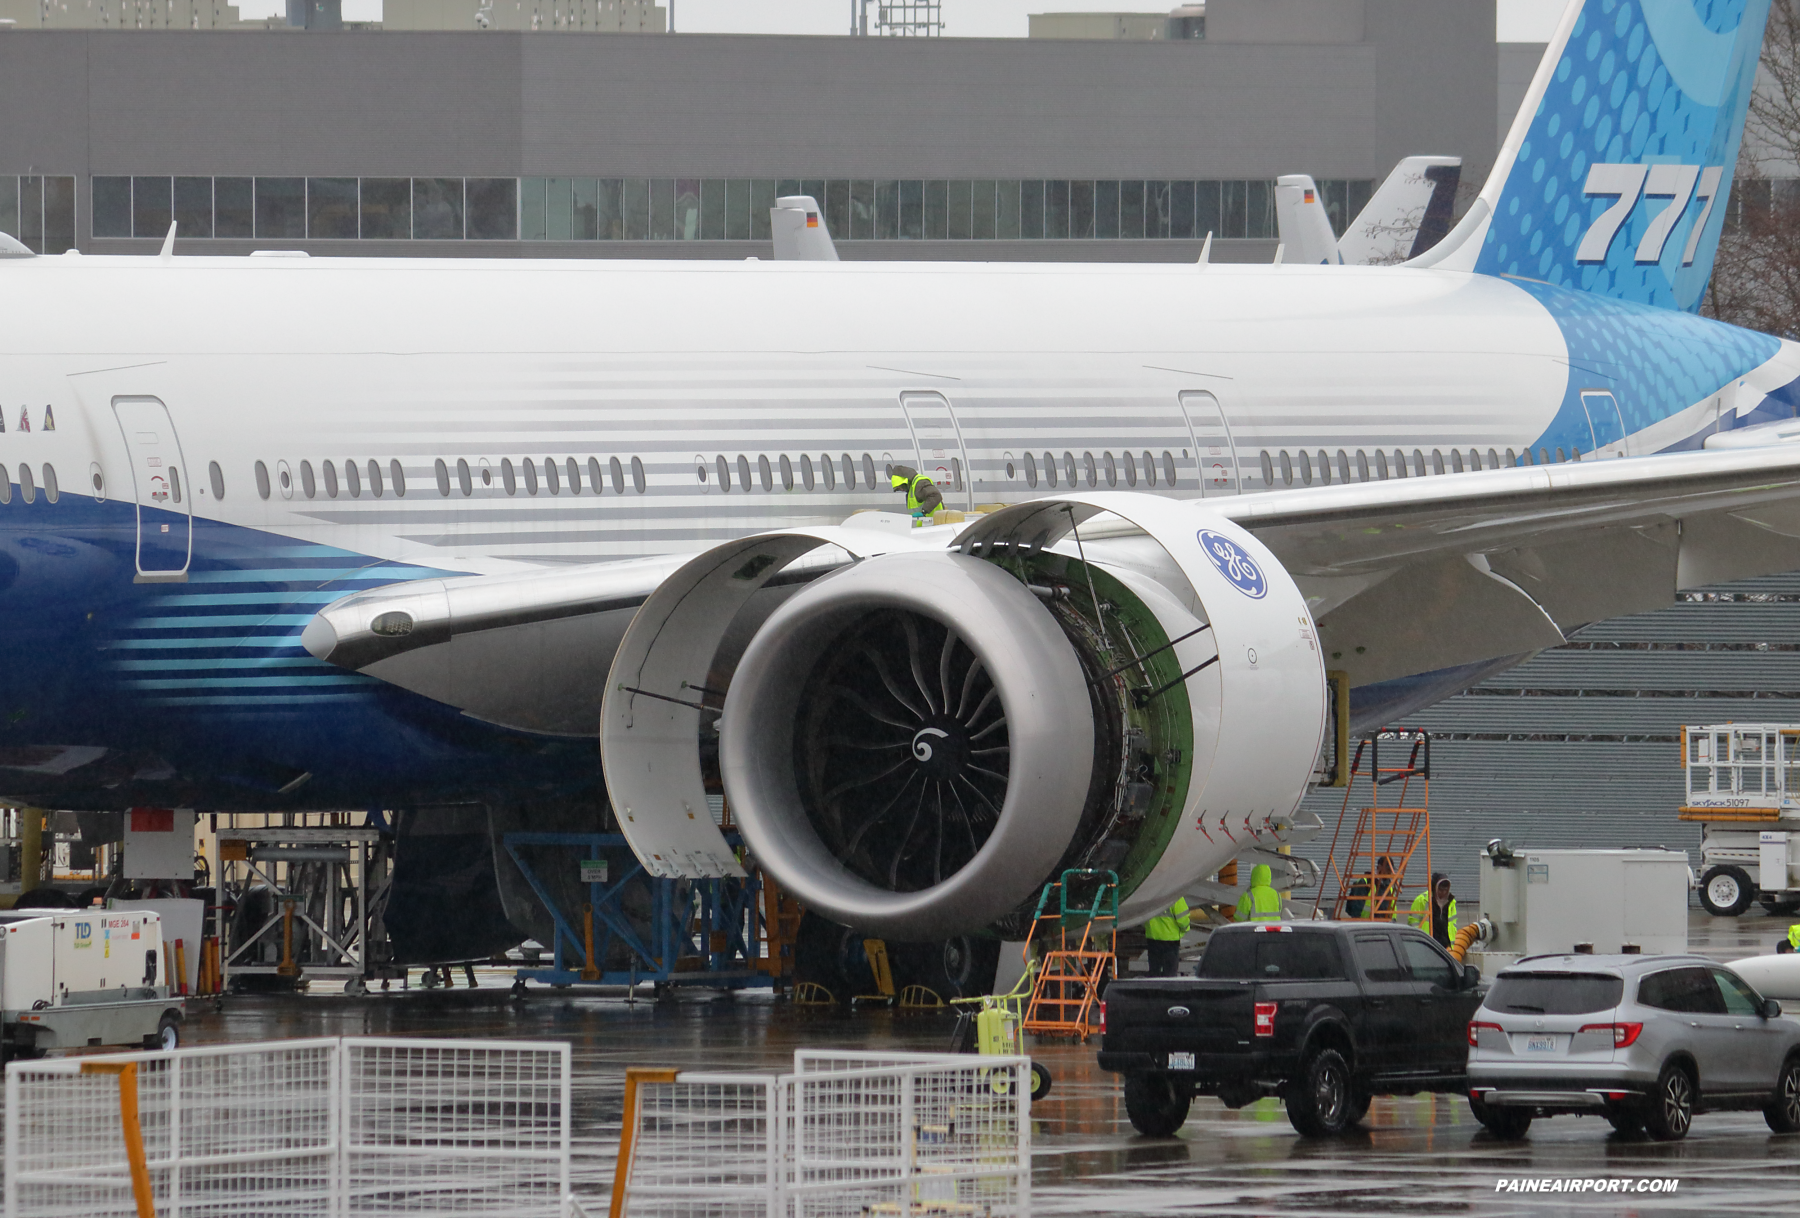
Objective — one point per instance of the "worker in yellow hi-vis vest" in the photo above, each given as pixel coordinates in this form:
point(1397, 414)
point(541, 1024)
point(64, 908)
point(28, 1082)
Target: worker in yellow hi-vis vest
point(1260, 902)
point(1162, 935)
point(1434, 912)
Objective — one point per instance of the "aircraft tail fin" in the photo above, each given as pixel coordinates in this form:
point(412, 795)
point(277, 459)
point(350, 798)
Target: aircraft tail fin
point(1615, 175)
point(1408, 214)
point(799, 230)
point(1301, 222)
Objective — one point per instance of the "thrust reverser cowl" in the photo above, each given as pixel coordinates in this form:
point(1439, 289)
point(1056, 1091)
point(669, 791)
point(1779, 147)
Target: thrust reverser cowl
point(913, 744)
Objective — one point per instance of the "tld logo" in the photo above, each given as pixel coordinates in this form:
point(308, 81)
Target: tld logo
point(84, 934)
point(1679, 184)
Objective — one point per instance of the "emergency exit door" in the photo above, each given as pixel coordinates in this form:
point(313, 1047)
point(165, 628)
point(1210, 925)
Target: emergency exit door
point(1605, 424)
point(938, 443)
point(1217, 455)
point(165, 537)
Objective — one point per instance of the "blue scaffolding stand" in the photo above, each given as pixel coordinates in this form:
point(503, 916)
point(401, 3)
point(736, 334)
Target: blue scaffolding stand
point(702, 931)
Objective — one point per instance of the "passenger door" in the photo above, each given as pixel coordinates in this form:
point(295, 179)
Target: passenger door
point(1389, 1005)
point(1444, 1007)
point(1759, 1044)
point(938, 444)
point(1214, 450)
point(1691, 996)
point(1605, 421)
point(165, 541)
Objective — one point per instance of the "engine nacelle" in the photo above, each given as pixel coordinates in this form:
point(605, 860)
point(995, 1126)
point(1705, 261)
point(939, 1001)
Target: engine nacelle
point(914, 743)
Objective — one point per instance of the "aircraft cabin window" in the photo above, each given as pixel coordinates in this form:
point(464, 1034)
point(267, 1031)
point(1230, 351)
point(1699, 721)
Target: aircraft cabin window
point(1268, 469)
point(1437, 461)
point(1287, 468)
point(1456, 461)
point(638, 481)
point(374, 477)
point(1093, 474)
point(1560, 458)
point(262, 480)
point(806, 471)
point(1381, 465)
point(509, 477)
point(1474, 459)
point(1362, 467)
point(869, 471)
point(284, 478)
point(1305, 468)
point(724, 468)
point(1130, 469)
point(1493, 461)
point(594, 482)
point(1112, 469)
point(765, 472)
point(331, 478)
point(1344, 466)
point(1149, 469)
point(5, 486)
point(443, 477)
point(99, 482)
point(1012, 472)
point(1324, 467)
point(465, 482)
point(1543, 456)
point(1512, 458)
point(829, 470)
point(743, 469)
point(51, 491)
point(956, 474)
point(1031, 474)
point(849, 472)
point(1418, 464)
point(573, 469)
point(787, 473)
point(1169, 467)
point(531, 476)
point(216, 476)
point(553, 481)
point(307, 485)
point(27, 488)
point(1050, 468)
point(1069, 466)
point(175, 483)
point(397, 475)
point(618, 474)
point(353, 479)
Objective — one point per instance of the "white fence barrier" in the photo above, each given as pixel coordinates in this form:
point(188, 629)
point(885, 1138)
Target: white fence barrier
point(329, 1127)
point(844, 1134)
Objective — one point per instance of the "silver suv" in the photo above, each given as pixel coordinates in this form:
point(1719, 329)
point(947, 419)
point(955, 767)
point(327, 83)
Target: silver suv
point(1646, 1041)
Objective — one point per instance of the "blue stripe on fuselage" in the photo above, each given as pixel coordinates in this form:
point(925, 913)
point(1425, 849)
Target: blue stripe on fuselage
point(206, 698)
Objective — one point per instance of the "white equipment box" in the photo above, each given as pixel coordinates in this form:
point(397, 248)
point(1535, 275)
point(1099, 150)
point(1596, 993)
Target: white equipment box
point(74, 978)
point(159, 844)
point(1544, 902)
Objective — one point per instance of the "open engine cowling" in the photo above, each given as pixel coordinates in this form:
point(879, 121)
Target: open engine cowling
point(914, 742)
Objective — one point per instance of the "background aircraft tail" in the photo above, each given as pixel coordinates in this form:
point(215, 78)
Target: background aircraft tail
point(1617, 170)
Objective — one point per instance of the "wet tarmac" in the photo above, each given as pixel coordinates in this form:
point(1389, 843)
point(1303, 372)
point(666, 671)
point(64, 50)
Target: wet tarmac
point(1423, 1155)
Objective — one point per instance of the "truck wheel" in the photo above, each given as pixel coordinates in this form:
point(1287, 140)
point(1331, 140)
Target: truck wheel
point(1671, 1110)
point(1727, 891)
point(1319, 1102)
point(1156, 1106)
point(1359, 1106)
point(168, 1033)
point(1040, 1082)
point(1783, 1112)
point(1507, 1124)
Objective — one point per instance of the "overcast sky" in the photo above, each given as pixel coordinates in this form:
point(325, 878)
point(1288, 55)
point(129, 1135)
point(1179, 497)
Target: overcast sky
point(1519, 20)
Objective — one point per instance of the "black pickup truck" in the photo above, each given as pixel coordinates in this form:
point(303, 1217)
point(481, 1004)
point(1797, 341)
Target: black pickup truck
point(1323, 1014)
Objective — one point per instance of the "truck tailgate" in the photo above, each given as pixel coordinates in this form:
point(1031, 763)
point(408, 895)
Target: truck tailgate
point(1179, 1013)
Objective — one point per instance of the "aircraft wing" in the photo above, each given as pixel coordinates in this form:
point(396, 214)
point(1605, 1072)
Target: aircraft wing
point(1503, 562)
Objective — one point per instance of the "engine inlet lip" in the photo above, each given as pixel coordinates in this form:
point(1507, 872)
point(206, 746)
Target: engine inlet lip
point(1049, 723)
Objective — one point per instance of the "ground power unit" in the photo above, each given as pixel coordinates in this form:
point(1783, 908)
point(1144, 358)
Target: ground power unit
point(72, 979)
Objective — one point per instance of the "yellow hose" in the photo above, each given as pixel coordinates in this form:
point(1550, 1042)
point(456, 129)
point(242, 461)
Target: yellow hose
point(1465, 939)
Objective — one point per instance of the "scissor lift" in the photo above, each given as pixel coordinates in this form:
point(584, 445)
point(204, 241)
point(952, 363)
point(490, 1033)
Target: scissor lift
point(1394, 833)
point(1065, 998)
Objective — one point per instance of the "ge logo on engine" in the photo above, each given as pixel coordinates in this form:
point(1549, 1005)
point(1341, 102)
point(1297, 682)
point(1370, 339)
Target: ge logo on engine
point(921, 743)
point(1234, 564)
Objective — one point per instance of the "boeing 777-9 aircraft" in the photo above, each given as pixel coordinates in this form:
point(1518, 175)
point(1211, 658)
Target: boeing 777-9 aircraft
point(286, 533)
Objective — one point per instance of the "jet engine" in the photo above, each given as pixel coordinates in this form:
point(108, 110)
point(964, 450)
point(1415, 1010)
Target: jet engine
point(915, 739)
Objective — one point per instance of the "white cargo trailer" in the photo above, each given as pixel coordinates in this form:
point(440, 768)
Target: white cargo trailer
point(73, 979)
point(1742, 784)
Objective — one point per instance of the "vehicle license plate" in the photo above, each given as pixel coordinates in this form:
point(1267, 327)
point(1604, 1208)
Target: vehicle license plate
point(1540, 1044)
point(1181, 1061)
